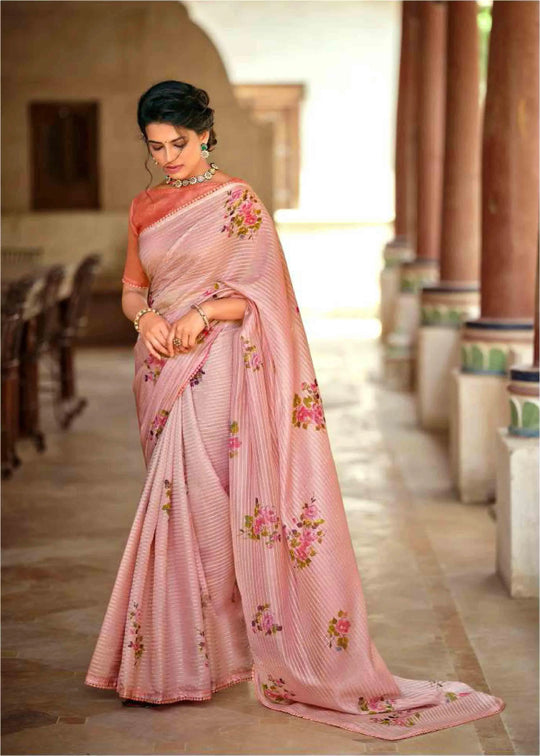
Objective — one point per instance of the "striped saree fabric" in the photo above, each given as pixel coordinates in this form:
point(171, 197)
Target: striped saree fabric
point(239, 564)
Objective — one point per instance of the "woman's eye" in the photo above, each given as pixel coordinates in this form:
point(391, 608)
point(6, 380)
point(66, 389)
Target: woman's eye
point(157, 149)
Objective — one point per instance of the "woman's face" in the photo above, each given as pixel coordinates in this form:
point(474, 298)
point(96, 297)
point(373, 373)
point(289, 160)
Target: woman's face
point(176, 149)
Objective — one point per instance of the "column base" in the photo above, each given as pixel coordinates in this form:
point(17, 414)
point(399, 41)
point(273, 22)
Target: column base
point(399, 363)
point(478, 407)
point(517, 462)
point(396, 252)
point(444, 307)
point(400, 352)
point(438, 351)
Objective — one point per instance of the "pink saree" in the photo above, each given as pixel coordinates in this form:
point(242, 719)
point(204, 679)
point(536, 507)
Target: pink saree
point(239, 564)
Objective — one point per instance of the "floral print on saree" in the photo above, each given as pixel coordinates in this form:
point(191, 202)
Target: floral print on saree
point(155, 366)
point(263, 525)
point(275, 690)
point(308, 409)
point(338, 627)
point(243, 215)
point(234, 442)
point(168, 493)
point(158, 423)
point(136, 642)
point(252, 358)
point(263, 621)
point(304, 534)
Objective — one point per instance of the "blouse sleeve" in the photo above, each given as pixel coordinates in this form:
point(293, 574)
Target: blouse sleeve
point(134, 274)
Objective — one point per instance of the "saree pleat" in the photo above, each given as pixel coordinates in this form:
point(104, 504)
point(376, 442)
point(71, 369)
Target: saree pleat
point(240, 561)
point(176, 577)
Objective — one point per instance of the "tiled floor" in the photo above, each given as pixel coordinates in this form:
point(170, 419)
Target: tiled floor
point(436, 607)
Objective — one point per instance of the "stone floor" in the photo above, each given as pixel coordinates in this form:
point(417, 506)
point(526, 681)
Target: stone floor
point(436, 607)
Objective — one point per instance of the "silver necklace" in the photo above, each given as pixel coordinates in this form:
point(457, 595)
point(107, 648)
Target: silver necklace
point(194, 179)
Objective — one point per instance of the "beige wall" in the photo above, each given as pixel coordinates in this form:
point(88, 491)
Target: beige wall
point(110, 52)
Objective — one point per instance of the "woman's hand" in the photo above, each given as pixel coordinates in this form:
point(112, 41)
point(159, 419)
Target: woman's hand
point(186, 328)
point(154, 330)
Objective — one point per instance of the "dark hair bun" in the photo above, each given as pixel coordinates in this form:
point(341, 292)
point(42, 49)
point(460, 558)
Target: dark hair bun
point(180, 104)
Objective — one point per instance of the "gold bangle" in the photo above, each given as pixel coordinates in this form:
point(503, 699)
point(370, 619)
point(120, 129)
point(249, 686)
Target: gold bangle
point(202, 314)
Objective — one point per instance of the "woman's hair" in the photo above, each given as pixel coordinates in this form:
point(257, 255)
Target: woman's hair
point(179, 104)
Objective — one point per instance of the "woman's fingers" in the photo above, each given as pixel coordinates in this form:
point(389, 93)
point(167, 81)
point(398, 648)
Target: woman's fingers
point(162, 339)
point(152, 350)
point(158, 346)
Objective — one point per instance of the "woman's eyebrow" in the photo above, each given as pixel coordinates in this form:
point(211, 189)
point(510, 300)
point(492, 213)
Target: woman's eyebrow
point(170, 140)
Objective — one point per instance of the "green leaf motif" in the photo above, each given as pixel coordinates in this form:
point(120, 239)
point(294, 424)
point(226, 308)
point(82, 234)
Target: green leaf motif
point(530, 416)
point(497, 360)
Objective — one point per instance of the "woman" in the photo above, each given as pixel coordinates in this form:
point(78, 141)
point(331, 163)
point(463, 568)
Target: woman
point(239, 564)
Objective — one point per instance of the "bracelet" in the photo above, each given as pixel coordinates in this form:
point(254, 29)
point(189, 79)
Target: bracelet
point(141, 312)
point(202, 314)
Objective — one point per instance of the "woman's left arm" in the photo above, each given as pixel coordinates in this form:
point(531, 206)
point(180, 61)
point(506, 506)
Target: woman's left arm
point(227, 308)
point(189, 326)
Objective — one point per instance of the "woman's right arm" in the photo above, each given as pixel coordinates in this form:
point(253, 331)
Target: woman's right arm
point(154, 329)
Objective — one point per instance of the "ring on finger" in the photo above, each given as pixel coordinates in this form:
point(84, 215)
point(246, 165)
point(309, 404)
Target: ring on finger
point(177, 342)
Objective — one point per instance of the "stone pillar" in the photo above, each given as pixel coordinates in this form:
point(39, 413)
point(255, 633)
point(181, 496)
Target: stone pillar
point(444, 306)
point(401, 343)
point(503, 335)
point(401, 247)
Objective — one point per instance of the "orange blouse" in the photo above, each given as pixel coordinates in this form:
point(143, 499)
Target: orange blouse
point(134, 274)
point(146, 208)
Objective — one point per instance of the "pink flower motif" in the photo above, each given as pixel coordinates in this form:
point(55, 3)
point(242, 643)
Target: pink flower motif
point(256, 360)
point(377, 704)
point(311, 511)
point(252, 358)
point(263, 621)
point(250, 219)
point(234, 443)
point(308, 537)
point(158, 423)
point(258, 525)
point(267, 622)
point(337, 631)
point(262, 525)
point(343, 625)
point(303, 414)
point(268, 514)
point(317, 414)
point(308, 407)
point(242, 214)
point(306, 531)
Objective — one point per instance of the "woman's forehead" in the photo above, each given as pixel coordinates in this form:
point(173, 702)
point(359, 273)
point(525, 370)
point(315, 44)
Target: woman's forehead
point(165, 131)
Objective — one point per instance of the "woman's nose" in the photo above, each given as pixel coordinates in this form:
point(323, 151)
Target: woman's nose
point(171, 153)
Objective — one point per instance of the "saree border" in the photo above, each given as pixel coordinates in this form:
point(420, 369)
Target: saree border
point(188, 204)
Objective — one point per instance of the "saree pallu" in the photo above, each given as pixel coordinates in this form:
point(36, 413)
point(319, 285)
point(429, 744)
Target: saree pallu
point(240, 564)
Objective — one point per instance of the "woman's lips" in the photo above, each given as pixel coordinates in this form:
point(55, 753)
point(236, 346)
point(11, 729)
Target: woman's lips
point(173, 167)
